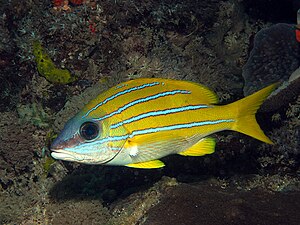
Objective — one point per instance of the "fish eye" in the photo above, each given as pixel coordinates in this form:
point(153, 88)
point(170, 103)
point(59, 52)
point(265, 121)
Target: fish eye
point(89, 130)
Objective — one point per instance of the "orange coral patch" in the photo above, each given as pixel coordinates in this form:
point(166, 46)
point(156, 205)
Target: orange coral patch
point(298, 35)
point(57, 3)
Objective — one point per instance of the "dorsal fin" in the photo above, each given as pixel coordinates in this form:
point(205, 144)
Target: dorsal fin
point(203, 93)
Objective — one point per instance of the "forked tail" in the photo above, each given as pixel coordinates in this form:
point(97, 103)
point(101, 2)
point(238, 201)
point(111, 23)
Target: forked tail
point(246, 108)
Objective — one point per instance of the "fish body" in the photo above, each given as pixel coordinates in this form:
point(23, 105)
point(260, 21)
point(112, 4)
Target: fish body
point(140, 121)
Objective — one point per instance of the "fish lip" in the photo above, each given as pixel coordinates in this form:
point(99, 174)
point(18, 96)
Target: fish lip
point(61, 154)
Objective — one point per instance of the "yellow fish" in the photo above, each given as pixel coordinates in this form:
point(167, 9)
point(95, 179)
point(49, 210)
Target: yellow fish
point(140, 121)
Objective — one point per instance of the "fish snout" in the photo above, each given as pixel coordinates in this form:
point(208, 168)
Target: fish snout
point(61, 143)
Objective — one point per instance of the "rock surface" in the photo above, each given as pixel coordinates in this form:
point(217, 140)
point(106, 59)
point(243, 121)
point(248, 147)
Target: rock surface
point(189, 204)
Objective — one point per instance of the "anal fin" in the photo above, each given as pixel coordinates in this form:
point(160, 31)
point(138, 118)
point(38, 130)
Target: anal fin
point(202, 147)
point(147, 165)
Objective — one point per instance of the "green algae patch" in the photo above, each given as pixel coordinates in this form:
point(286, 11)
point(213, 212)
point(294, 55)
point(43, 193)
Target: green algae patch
point(33, 113)
point(47, 165)
point(47, 68)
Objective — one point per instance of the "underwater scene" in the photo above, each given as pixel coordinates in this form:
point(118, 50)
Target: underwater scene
point(127, 112)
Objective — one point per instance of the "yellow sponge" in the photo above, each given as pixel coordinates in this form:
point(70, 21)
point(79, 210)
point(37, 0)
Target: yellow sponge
point(47, 68)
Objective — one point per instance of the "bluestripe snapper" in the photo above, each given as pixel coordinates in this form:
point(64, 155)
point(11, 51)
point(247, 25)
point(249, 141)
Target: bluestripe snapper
point(138, 122)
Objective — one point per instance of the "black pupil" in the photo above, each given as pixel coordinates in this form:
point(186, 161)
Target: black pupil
point(89, 130)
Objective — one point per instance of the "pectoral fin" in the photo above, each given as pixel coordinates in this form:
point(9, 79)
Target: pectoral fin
point(147, 165)
point(202, 147)
point(146, 148)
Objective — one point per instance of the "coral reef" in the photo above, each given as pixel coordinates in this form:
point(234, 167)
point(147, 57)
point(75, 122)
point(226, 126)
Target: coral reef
point(33, 113)
point(283, 156)
point(274, 57)
point(11, 77)
point(17, 150)
point(225, 36)
point(21, 185)
point(78, 212)
point(102, 43)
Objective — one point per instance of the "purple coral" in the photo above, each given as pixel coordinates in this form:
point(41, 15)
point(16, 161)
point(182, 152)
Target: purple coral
point(275, 57)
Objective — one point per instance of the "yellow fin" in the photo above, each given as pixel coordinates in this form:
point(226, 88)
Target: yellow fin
point(202, 147)
point(246, 122)
point(147, 165)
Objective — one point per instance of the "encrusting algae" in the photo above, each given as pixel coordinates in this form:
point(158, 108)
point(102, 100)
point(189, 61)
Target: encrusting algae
point(47, 68)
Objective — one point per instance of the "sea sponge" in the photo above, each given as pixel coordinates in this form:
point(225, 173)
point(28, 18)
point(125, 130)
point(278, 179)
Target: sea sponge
point(47, 68)
point(274, 57)
point(286, 93)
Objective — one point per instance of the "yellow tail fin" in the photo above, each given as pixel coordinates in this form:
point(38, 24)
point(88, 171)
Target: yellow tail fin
point(246, 108)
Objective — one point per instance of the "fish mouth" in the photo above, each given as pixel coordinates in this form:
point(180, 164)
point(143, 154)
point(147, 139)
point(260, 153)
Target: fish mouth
point(60, 154)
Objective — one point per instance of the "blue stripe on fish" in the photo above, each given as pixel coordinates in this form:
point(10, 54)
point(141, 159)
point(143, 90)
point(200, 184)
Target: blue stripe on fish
point(158, 113)
point(92, 146)
point(177, 126)
point(142, 100)
point(157, 129)
point(120, 94)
